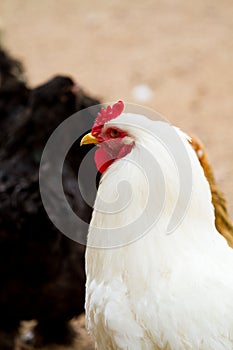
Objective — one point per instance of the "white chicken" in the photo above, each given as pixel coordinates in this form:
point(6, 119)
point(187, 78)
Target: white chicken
point(159, 291)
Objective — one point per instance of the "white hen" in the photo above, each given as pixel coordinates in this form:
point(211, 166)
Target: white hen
point(161, 291)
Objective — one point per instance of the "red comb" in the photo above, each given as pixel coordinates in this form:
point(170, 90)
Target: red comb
point(105, 115)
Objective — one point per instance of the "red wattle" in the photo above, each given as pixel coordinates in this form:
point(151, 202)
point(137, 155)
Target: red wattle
point(102, 160)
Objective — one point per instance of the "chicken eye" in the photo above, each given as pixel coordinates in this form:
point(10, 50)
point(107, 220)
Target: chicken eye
point(114, 133)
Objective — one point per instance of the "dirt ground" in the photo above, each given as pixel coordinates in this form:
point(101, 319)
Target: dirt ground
point(182, 50)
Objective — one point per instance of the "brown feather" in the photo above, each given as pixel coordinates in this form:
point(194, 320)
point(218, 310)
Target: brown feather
point(222, 220)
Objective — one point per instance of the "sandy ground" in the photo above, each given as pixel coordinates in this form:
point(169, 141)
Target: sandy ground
point(182, 50)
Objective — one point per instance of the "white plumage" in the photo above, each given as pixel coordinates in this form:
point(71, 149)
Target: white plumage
point(161, 291)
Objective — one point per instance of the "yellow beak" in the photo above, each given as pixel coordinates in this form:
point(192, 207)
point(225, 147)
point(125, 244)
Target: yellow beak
point(88, 139)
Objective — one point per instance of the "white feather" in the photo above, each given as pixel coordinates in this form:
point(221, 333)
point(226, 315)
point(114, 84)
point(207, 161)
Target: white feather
point(161, 291)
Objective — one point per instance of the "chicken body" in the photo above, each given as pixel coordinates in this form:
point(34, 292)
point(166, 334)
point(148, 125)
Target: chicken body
point(159, 291)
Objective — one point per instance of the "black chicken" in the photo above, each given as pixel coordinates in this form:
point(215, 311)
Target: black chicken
point(42, 271)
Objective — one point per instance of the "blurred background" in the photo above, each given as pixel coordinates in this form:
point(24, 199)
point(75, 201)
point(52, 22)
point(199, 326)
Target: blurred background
point(174, 56)
point(178, 54)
